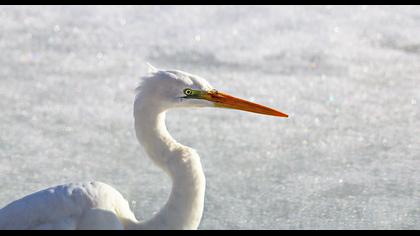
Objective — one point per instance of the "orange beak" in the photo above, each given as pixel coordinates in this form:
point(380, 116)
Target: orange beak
point(227, 101)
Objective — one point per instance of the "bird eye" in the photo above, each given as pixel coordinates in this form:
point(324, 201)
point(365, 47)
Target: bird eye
point(188, 91)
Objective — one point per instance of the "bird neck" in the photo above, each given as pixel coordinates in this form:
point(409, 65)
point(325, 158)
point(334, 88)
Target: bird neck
point(184, 208)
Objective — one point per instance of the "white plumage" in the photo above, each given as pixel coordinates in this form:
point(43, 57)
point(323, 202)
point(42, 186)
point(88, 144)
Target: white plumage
point(69, 206)
point(95, 205)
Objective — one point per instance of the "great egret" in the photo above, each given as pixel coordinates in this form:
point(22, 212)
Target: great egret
point(95, 205)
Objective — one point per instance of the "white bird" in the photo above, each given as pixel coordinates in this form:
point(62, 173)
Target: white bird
point(95, 205)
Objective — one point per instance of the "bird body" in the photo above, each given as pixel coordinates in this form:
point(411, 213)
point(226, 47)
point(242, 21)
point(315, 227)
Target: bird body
point(69, 206)
point(95, 205)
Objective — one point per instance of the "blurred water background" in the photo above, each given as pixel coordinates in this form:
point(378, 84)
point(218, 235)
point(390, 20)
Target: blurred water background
point(348, 156)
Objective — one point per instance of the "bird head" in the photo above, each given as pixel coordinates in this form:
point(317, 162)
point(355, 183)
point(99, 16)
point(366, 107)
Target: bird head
point(178, 89)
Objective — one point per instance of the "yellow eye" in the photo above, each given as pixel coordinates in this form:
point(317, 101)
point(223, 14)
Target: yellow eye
point(188, 91)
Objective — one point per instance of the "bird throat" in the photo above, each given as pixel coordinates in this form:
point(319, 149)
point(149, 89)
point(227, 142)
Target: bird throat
point(184, 208)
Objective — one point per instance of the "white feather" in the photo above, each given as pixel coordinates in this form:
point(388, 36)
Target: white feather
point(64, 207)
point(95, 205)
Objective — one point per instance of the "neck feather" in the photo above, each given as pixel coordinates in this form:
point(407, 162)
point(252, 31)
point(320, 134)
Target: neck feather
point(184, 208)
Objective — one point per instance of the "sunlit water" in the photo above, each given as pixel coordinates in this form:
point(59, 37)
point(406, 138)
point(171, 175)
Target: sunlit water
point(348, 157)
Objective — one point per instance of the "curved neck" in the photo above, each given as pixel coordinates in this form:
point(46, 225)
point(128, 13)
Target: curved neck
point(184, 208)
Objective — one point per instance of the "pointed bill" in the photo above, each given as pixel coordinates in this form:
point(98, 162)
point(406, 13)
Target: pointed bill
point(227, 101)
